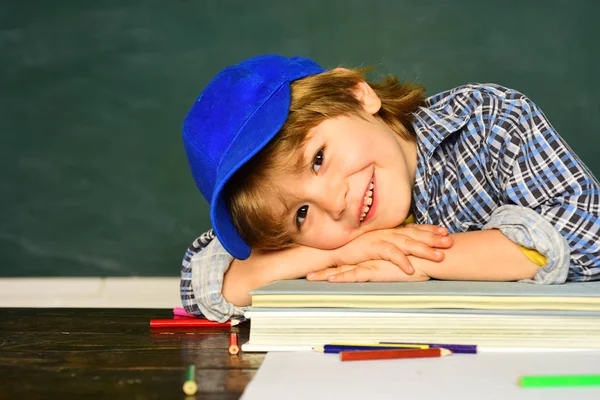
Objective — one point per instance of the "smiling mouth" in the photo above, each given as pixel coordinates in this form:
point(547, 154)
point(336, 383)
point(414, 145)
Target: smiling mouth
point(367, 201)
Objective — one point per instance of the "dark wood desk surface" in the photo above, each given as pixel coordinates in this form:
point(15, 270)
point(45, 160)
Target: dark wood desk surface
point(111, 354)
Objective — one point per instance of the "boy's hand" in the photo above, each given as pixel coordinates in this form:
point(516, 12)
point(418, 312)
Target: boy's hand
point(394, 245)
point(368, 271)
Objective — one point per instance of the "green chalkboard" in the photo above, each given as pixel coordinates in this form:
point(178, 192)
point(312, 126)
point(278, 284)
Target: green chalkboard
point(94, 180)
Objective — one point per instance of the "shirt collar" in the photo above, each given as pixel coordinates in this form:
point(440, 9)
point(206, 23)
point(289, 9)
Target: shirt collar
point(442, 115)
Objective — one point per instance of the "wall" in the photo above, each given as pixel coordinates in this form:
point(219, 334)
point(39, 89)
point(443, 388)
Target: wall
point(94, 180)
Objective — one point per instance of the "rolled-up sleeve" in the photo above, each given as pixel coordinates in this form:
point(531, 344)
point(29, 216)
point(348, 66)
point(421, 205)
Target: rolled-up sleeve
point(529, 229)
point(539, 171)
point(203, 270)
point(208, 270)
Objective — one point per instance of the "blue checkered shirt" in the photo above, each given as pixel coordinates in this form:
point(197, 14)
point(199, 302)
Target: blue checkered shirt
point(487, 159)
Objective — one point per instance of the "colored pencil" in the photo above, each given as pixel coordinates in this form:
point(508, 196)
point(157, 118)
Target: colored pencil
point(186, 323)
point(180, 311)
point(234, 348)
point(455, 348)
point(392, 354)
point(190, 386)
point(547, 381)
point(404, 346)
point(335, 349)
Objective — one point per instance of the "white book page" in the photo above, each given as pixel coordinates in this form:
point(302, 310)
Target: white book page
point(315, 376)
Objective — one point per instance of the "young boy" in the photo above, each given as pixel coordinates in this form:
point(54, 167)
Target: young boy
point(316, 170)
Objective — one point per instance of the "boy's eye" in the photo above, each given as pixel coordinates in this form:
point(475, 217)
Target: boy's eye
point(318, 160)
point(301, 215)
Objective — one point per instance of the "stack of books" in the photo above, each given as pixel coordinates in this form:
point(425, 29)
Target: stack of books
point(299, 315)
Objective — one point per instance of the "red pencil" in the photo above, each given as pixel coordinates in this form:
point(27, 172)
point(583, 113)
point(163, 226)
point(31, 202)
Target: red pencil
point(234, 348)
point(190, 322)
point(391, 354)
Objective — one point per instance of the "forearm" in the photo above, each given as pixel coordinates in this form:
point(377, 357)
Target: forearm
point(479, 255)
point(264, 267)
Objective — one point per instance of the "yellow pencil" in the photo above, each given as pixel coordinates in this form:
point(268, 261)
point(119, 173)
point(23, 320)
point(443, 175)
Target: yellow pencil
point(404, 346)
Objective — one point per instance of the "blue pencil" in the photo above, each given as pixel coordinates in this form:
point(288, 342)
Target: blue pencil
point(337, 348)
point(454, 348)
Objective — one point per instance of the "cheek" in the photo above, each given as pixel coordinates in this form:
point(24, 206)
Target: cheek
point(394, 206)
point(328, 237)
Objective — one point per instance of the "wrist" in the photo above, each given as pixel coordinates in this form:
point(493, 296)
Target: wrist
point(479, 256)
point(295, 262)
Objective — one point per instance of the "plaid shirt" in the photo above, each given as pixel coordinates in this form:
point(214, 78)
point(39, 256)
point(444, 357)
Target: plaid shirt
point(487, 159)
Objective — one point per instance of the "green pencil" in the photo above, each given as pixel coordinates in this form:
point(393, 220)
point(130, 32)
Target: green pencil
point(559, 381)
point(189, 386)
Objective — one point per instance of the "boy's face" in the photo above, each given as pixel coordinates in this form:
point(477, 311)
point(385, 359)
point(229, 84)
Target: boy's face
point(353, 165)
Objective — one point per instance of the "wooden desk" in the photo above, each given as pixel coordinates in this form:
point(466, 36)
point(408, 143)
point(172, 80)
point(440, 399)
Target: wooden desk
point(111, 354)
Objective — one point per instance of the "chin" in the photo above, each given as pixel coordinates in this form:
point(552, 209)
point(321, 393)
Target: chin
point(392, 223)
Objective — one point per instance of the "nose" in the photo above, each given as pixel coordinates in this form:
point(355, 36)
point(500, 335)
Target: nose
point(332, 198)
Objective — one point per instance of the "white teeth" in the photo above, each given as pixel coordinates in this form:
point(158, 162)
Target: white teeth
point(367, 201)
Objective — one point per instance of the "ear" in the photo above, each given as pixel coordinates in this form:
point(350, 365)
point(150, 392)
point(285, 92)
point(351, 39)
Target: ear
point(367, 96)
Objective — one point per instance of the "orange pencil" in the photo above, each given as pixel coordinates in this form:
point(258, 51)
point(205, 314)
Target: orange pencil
point(391, 354)
point(233, 343)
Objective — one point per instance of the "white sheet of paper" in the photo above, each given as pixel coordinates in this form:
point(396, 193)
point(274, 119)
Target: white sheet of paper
point(315, 376)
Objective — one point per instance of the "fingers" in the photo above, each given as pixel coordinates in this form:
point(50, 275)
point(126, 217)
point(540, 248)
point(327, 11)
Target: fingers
point(324, 274)
point(394, 245)
point(420, 249)
point(426, 234)
point(395, 253)
point(343, 273)
point(373, 271)
point(355, 274)
point(440, 230)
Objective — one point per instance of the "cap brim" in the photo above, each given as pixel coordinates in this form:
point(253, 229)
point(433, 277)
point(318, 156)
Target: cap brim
point(253, 136)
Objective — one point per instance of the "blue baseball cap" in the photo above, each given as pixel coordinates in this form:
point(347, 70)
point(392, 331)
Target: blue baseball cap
point(234, 117)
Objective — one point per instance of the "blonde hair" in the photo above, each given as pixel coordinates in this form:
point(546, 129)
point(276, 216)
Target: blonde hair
point(313, 100)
